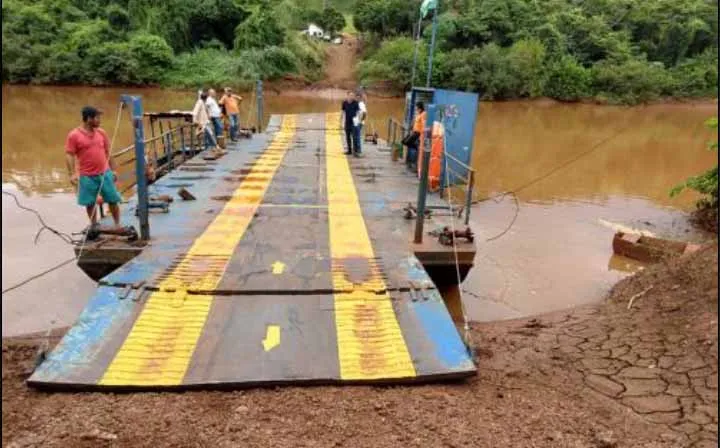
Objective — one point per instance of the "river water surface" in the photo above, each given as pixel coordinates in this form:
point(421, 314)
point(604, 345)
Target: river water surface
point(556, 255)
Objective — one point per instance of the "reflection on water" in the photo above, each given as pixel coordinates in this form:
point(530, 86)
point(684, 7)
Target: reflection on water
point(624, 264)
point(558, 253)
point(36, 121)
point(650, 149)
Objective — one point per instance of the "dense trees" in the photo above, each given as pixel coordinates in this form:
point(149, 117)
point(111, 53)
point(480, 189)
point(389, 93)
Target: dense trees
point(175, 42)
point(617, 50)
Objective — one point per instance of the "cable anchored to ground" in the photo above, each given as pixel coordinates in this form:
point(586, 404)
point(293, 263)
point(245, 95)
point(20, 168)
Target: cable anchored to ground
point(37, 276)
point(62, 235)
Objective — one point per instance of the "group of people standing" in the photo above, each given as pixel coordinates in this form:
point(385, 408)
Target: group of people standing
point(353, 116)
point(211, 115)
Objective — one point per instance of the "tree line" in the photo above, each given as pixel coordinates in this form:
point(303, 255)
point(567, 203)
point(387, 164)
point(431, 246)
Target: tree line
point(625, 51)
point(179, 43)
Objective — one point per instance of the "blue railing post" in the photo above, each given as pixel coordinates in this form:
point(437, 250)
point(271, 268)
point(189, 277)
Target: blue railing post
point(259, 96)
point(422, 190)
point(142, 186)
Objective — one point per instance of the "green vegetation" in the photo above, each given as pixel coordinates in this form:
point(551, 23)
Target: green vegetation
point(349, 24)
point(623, 51)
point(179, 43)
point(707, 183)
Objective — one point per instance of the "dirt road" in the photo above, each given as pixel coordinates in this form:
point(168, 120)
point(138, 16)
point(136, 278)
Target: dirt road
point(340, 62)
point(600, 376)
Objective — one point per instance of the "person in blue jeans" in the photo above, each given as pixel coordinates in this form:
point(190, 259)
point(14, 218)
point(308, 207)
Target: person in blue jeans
point(359, 122)
point(231, 103)
point(215, 117)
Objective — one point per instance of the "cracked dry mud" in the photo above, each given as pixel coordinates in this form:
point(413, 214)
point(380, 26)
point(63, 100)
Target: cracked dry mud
point(601, 376)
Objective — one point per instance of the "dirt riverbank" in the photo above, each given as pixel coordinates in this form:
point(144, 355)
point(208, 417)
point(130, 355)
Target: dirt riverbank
point(610, 375)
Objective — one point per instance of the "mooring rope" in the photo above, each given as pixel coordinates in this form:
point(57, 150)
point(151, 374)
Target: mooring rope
point(102, 180)
point(467, 335)
point(38, 275)
point(43, 225)
point(500, 196)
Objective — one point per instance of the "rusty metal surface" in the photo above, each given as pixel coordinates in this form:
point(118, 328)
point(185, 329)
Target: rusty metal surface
point(257, 286)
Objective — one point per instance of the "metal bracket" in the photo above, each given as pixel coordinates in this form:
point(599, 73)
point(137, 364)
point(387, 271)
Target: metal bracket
point(446, 236)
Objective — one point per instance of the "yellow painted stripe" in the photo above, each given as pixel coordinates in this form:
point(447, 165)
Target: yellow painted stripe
point(158, 349)
point(370, 342)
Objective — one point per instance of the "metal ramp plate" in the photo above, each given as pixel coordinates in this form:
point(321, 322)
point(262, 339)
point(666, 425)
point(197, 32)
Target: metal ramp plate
point(296, 277)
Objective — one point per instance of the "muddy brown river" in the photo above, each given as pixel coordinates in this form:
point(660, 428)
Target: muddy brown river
point(556, 255)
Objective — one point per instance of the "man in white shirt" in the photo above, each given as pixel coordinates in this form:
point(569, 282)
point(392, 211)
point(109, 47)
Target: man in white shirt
point(201, 119)
point(359, 122)
point(215, 116)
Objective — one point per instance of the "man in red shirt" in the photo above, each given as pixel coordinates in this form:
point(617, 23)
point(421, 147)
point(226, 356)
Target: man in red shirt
point(94, 172)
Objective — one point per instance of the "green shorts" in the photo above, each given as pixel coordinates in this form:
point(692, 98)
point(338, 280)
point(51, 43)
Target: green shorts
point(90, 186)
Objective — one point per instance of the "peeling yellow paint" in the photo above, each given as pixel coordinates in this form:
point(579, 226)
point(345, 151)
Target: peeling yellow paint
point(159, 347)
point(272, 337)
point(370, 342)
point(278, 267)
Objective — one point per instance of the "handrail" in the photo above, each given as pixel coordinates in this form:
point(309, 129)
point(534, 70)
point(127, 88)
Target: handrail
point(469, 180)
point(174, 142)
point(149, 140)
point(460, 162)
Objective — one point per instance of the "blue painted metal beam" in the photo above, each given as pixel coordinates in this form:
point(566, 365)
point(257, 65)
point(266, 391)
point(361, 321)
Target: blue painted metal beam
point(142, 186)
point(422, 189)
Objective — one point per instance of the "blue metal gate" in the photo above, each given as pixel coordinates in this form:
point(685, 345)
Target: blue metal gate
point(457, 111)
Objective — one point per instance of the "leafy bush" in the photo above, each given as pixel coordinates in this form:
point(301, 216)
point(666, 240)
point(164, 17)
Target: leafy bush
point(386, 17)
point(707, 183)
point(61, 67)
point(525, 60)
point(308, 52)
point(568, 80)
point(331, 21)
point(260, 30)
point(393, 63)
point(268, 63)
point(117, 17)
point(87, 35)
point(486, 70)
point(111, 63)
point(696, 77)
point(630, 82)
point(203, 68)
point(153, 56)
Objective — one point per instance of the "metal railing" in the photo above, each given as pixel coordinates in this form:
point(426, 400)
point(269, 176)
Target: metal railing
point(468, 180)
point(162, 153)
point(396, 130)
point(395, 133)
